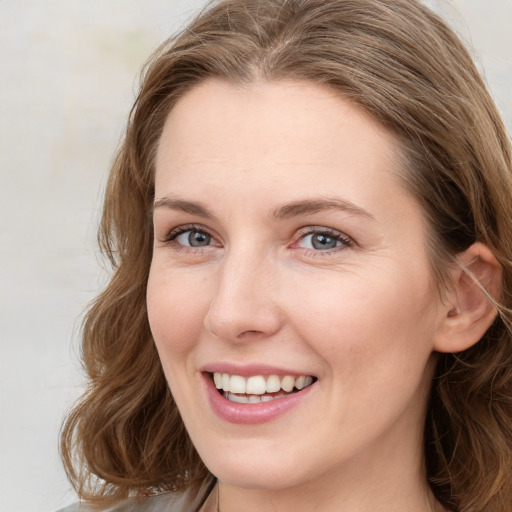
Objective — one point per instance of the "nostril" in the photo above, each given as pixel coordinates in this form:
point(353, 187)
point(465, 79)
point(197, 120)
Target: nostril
point(240, 311)
point(249, 334)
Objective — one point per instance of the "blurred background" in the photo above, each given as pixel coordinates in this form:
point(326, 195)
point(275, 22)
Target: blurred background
point(68, 76)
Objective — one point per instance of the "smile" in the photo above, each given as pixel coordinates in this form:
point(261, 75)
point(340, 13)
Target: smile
point(260, 395)
point(257, 388)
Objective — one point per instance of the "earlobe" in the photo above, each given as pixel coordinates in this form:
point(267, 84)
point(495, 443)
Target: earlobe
point(469, 309)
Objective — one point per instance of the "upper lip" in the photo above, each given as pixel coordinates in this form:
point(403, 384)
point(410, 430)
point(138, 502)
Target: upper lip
point(248, 370)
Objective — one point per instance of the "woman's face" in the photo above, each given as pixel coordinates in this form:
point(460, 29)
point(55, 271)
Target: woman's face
point(287, 253)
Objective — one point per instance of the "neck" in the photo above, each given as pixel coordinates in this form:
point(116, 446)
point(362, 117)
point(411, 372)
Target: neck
point(394, 481)
point(304, 499)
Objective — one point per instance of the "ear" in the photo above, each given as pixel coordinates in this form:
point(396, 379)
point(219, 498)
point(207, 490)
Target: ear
point(468, 308)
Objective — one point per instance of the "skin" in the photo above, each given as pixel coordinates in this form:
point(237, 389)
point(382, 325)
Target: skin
point(362, 317)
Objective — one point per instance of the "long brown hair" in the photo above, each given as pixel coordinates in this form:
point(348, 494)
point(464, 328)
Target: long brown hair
point(400, 63)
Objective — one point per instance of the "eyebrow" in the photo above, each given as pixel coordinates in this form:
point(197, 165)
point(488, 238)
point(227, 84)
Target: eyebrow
point(185, 206)
point(294, 209)
point(309, 206)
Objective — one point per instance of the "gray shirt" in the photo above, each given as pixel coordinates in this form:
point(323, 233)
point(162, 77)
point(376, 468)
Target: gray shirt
point(172, 502)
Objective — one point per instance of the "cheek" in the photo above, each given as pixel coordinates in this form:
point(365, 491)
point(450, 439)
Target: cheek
point(176, 311)
point(367, 325)
point(376, 345)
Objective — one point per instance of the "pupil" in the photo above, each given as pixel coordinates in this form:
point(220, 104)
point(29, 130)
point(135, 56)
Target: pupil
point(323, 242)
point(197, 239)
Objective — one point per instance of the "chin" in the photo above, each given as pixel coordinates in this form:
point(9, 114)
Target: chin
point(268, 478)
point(259, 468)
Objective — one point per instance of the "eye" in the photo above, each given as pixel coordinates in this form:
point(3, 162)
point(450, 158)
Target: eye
point(319, 241)
point(322, 239)
point(194, 238)
point(190, 236)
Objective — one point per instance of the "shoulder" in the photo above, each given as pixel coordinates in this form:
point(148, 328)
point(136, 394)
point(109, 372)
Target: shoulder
point(162, 503)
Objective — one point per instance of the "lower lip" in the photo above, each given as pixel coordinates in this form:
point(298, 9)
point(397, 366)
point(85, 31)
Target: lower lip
point(251, 414)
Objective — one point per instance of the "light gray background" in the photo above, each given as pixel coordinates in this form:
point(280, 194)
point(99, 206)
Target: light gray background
point(68, 73)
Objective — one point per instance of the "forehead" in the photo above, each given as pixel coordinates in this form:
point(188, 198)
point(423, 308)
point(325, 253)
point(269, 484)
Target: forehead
point(245, 153)
point(254, 129)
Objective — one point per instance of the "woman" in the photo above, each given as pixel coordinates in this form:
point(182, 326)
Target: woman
point(309, 224)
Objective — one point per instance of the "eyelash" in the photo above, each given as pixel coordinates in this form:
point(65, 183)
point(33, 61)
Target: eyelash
point(345, 241)
point(170, 239)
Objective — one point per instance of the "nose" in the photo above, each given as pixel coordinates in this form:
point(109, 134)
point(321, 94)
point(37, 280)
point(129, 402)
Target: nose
point(245, 301)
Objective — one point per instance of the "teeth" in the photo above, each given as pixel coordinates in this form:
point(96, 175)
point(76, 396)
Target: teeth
point(258, 385)
point(288, 383)
point(241, 399)
point(225, 382)
point(299, 382)
point(251, 399)
point(273, 384)
point(236, 384)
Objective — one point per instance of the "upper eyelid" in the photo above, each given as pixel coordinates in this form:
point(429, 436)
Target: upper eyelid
point(318, 229)
point(170, 239)
point(347, 242)
point(308, 230)
point(183, 228)
point(299, 234)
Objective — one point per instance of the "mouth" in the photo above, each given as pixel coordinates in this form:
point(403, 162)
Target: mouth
point(258, 388)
